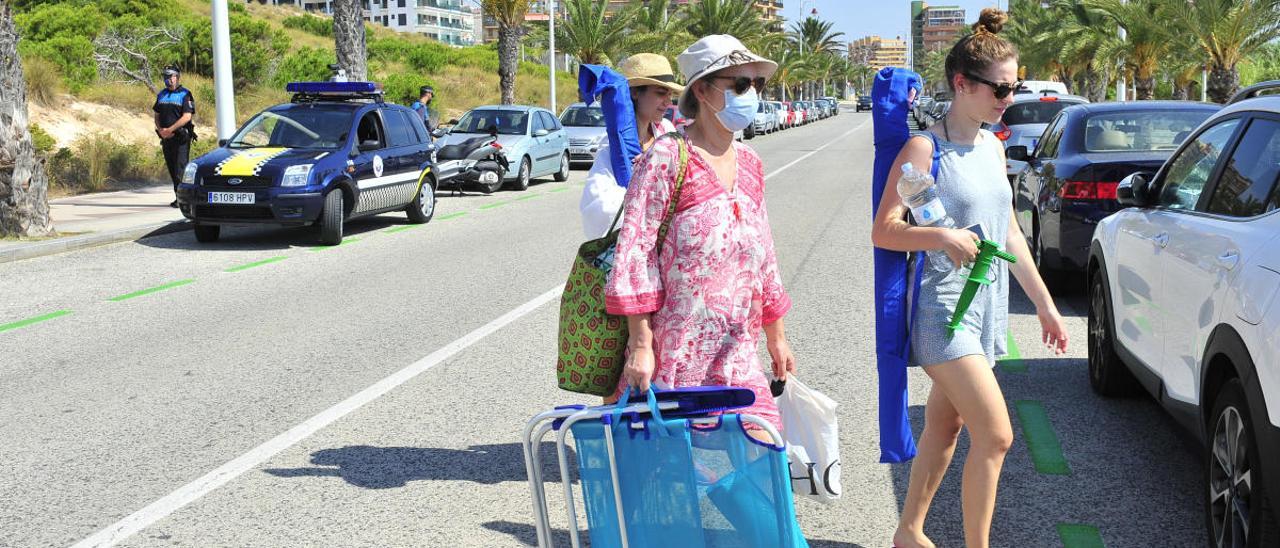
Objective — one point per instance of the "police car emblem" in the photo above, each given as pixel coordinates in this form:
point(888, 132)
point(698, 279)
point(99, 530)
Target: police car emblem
point(234, 181)
point(377, 166)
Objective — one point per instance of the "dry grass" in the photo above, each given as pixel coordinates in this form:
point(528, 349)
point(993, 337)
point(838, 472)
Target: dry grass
point(44, 82)
point(123, 95)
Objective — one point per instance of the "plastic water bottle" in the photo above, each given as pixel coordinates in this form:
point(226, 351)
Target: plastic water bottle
point(919, 192)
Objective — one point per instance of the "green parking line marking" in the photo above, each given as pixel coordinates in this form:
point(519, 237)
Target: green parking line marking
point(345, 241)
point(151, 290)
point(558, 189)
point(257, 263)
point(1046, 452)
point(527, 197)
point(1075, 535)
point(452, 216)
point(1012, 363)
point(23, 323)
point(400, 228)
point(495, 204)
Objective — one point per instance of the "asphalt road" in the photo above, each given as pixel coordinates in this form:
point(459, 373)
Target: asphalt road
point(274, 393)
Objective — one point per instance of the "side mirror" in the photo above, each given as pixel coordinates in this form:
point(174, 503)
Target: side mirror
point(540, 133)
point(1017, 153)
point(223, 142)
point(366, 146)
point(452, 122)
point(1133, 190)
point(439, 132)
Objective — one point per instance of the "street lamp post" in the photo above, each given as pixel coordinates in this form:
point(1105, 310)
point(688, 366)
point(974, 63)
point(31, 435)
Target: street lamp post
point(551, 49)
point(224, 98)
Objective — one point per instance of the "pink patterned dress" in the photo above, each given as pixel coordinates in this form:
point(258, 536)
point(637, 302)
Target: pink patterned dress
point(716, 281)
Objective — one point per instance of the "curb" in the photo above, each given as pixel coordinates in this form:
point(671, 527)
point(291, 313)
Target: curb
point(85, 241)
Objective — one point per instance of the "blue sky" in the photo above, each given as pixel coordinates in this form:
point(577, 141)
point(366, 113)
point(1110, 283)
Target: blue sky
point(888, 18)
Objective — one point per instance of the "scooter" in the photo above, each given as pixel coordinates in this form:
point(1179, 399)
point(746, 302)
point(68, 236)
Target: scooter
point(478, 161)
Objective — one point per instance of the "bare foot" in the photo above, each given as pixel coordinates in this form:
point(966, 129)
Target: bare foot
point(903, 538)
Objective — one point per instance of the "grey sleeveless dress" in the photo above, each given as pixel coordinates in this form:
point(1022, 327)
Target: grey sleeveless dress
point(974, 189)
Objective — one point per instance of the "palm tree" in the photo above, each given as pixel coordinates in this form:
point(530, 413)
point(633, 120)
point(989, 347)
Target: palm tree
point(509, 14)
point(591, 33)
point(1147, 38)
point(24, 203)
point(1227, 32)
point(657, 28)
point(348, 38)
point(734, 17)
point(814, 35)
point(934, 70)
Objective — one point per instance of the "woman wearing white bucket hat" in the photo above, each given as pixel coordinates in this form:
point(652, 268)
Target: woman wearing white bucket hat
point(696, 308)
point(653, 85)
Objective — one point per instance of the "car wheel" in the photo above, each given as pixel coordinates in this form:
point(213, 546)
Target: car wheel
point(1234, 489)
point(208, 233)
point(1108, 376)
point(1052, 278)
point(522, 178)
point(423, 206)
point(331, 218)
point(563, 175)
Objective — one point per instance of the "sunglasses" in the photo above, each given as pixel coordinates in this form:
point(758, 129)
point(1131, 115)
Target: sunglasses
point(1001, 90)
point(741, 83)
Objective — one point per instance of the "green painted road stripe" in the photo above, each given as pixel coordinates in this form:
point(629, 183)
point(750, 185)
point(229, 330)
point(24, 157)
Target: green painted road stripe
point(558, 189)
point(151, 290)
point(257, 263)
point(400, 228)
point(496, 204)
point(527, 197)
point(345, 241)
point(452, 216)
point(1075, 535)
point(1012, 363)
point(29, 321)
point(1046, 452)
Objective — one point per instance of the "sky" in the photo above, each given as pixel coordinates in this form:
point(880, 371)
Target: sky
point(887, 18)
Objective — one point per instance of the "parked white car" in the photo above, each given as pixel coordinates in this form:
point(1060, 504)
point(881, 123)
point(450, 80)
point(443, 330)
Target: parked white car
point(1183, 302)
point(779, 115)
point(1038, 87)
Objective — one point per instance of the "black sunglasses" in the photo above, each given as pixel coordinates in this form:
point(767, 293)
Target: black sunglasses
point(741, 83)
point(1001, 90)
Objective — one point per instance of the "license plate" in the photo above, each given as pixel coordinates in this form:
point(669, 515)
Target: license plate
point(231, 197)
point(578, 150)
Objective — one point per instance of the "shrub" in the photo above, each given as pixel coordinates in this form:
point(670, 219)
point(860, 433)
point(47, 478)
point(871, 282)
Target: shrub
point(96, 161)
point(44, 83)
point(73, 56)
point(319, 26)
point(304, 65)
point(403, 88)
point(40, 139)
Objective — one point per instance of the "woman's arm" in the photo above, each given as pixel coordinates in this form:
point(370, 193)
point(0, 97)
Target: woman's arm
point(891, 230)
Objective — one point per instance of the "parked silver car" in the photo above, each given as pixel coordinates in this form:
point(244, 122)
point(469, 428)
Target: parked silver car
point(585, 127)
point(532, 140)
point(1026, 119)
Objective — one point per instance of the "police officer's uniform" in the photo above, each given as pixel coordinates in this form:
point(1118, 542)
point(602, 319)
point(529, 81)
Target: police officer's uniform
point(424, 110)
point(169, 107)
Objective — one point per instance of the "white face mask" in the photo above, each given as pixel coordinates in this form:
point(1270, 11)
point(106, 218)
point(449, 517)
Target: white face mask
point(739, 110)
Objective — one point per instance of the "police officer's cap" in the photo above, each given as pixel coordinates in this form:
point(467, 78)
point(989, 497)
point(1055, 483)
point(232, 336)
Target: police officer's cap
point(425, 90)
point(171, 70)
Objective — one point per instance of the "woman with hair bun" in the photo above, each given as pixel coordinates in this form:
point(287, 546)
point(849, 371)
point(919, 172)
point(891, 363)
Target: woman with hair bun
point(982, 71)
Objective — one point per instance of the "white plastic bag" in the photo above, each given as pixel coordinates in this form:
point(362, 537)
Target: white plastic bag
point(813, 441)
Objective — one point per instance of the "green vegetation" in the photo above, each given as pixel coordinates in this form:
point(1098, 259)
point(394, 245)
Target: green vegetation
point(40, 139)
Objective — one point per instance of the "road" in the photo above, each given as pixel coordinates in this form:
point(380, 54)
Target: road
point(273, 393)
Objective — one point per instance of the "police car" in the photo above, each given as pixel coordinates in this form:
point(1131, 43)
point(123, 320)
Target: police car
point(335, 152)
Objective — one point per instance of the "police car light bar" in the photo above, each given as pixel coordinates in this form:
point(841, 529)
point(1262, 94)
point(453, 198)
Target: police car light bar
point(334, 91)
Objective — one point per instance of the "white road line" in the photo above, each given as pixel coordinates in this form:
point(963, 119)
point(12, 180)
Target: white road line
point(816, 150)
point(190, 492)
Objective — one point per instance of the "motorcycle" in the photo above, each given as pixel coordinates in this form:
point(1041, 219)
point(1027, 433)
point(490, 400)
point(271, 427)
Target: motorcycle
point(475, 162)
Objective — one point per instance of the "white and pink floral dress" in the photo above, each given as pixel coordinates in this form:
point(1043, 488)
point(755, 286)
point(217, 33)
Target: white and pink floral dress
point(716, 282)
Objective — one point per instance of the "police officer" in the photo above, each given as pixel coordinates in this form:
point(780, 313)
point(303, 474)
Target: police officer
point(422, 106)
point(174, 108)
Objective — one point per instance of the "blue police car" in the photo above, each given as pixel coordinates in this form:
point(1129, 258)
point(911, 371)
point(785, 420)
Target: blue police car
point(335, 152)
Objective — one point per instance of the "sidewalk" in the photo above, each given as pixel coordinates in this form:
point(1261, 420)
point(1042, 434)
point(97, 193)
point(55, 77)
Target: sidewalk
point(98, 219)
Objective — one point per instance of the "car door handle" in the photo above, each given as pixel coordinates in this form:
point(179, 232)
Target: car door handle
point(1161, 239)
point(1229, 260)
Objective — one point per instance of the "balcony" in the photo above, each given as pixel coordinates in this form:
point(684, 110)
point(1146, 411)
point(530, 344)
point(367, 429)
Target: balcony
point(454, 5)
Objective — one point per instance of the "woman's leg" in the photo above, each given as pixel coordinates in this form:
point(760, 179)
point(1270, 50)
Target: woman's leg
point(971, 387)
point(942, 425)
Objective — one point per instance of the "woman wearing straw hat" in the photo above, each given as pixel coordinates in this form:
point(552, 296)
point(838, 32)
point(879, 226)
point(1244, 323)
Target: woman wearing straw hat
point(696, 308)
point(652, 85)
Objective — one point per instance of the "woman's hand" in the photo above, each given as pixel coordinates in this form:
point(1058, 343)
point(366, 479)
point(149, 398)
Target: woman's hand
point(1053, 331)
point(639, 368)
point(960, 245)
point(784, 361)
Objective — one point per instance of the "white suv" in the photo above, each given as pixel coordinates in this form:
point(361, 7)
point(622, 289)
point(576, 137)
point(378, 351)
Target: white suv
point(1182, 293)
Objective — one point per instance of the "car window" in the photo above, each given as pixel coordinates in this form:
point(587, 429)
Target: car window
point(295, 128)
point(399, 133)
point(507, 122)
point(1250, 174)
point(419, 128)
point(1048, 145)
point(1190, 169)
point(583, 117)
point(1139, 130)
point(1034, 112)
point(370, 129)
point(549, 121)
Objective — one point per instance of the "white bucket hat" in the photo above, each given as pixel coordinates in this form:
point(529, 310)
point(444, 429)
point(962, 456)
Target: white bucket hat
point(713, 53)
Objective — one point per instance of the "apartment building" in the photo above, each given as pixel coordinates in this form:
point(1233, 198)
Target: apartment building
point(448, 21)
point(879, 52)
